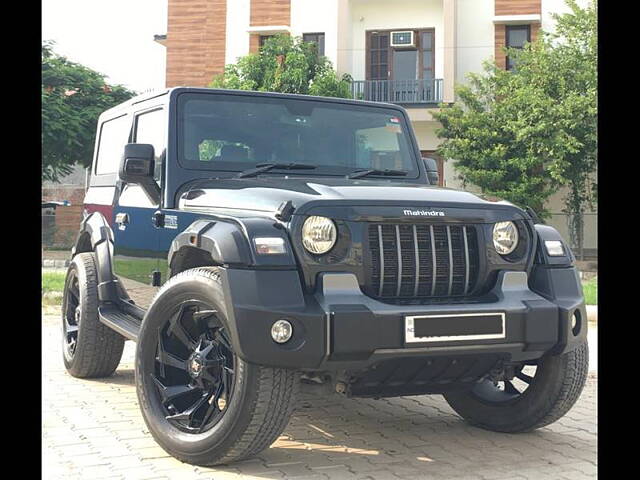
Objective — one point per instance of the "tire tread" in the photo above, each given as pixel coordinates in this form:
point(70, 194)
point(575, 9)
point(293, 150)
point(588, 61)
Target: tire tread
point(99, 348)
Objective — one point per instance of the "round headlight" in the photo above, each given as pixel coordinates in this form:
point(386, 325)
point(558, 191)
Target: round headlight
point(505, 237)
point(318, 234)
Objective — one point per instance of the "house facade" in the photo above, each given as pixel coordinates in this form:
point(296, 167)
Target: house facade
point(410, 52)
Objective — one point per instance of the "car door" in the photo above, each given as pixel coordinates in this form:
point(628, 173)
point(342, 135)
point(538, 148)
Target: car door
point(135, 238)
point(136, 249)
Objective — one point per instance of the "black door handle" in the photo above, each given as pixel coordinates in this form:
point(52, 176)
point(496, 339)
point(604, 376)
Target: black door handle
point(158, 219)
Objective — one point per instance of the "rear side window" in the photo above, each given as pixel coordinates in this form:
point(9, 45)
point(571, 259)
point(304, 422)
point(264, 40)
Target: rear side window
point(114, 135)
point(151, 128)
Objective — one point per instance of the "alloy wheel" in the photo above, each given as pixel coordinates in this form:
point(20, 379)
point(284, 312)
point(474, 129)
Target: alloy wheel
point(503, 391)
point(71, 314)
point(194, 368)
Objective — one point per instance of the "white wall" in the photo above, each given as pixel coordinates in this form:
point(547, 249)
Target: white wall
point(237, 42)
point(475, 40)
point(400, 14)
point(549, 7)
point(426, 135)
point(312, 16)
point(344, 63)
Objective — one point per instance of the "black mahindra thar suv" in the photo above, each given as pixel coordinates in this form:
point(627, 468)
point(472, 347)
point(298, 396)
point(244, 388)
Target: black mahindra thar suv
point(302, 239)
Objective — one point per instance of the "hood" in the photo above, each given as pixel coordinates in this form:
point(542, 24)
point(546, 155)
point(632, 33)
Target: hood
point(268, 193)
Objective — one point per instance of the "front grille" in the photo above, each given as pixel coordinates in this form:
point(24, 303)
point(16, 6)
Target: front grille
point(422, 260)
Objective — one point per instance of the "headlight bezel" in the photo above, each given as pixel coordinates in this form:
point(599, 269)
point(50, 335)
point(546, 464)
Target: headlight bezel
point(496, 245)
point(308, 243)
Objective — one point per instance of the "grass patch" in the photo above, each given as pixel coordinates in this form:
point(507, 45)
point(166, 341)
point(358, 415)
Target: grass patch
point(52, 300)
point(53, 281)
point(590, 288)
point(52, 287)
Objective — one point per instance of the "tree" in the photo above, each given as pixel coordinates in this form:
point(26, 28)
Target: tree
point(73, 96)
point(288, 65)
point(523, 134)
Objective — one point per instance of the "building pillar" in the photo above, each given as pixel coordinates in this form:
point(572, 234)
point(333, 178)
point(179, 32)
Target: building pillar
point(449, 20)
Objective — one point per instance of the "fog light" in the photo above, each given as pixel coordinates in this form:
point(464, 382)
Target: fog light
point(281, 331)
point(554, 248)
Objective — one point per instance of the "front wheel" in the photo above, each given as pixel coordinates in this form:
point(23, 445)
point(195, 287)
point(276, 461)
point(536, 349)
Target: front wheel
point(201, 402)
point(540, 393)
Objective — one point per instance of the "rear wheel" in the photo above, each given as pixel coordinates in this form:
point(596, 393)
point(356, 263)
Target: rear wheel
point(90, 349)
point(540, 393)
point(202, 403)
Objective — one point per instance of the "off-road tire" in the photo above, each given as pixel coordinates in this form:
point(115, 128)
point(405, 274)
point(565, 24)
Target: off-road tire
point(554, 390)
point(98, 349)
point(263, 398)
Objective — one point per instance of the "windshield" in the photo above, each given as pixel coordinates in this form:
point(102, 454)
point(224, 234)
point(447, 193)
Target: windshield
point(235, 133)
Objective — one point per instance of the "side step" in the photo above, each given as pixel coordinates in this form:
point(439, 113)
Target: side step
point(126, 325)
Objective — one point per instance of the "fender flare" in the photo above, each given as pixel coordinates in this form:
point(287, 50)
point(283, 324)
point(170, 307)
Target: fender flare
point(96, 228)
point(227, 243)
point(544, 233)
point(557, 279)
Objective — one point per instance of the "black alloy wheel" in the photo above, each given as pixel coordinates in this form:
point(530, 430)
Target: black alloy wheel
point(541, 392)
point(202, 402)
point(194, 370)
point(502, 391)
point(71, 314)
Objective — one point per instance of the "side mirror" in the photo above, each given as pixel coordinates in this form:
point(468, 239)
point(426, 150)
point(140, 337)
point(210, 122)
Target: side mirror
point(137, 167)
point(432, 170)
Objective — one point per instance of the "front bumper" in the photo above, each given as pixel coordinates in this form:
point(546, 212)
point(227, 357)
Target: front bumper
point(340, 328)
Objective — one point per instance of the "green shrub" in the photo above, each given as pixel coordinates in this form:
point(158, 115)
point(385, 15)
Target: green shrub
point(590, 288)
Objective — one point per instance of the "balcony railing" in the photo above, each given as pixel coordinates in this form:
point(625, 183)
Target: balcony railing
point(398, 91)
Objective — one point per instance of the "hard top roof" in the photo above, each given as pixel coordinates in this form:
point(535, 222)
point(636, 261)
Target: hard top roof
point(173, 91)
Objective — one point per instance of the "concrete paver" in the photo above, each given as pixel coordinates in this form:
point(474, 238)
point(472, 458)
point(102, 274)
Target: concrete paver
point(93, 429)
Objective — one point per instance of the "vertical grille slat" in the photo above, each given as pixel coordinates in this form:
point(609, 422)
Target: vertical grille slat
point(381, 260)
point(422, 260)
point(450, 260)
point(416, 282)
point(466, 260)
point(399, 250)
point(433, 253)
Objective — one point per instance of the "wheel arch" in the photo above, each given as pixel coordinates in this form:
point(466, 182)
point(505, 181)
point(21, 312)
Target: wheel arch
point(188, 256)
point(96, 236)
point(216, 242)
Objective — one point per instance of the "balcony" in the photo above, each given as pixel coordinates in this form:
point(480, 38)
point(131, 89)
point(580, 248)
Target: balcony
point(403, 92)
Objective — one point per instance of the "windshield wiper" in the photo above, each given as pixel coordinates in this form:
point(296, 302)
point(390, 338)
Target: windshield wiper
point(265, 167)
point(373, 171)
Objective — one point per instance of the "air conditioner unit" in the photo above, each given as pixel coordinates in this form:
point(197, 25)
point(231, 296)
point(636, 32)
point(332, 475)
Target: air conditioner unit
point(403, 39)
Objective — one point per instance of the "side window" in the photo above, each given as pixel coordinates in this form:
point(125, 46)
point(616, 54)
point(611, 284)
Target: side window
point(114, 135)
point(151, 128)
point(134, 196)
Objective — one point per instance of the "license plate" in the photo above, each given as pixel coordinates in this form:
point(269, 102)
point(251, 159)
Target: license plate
point(454, 327)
